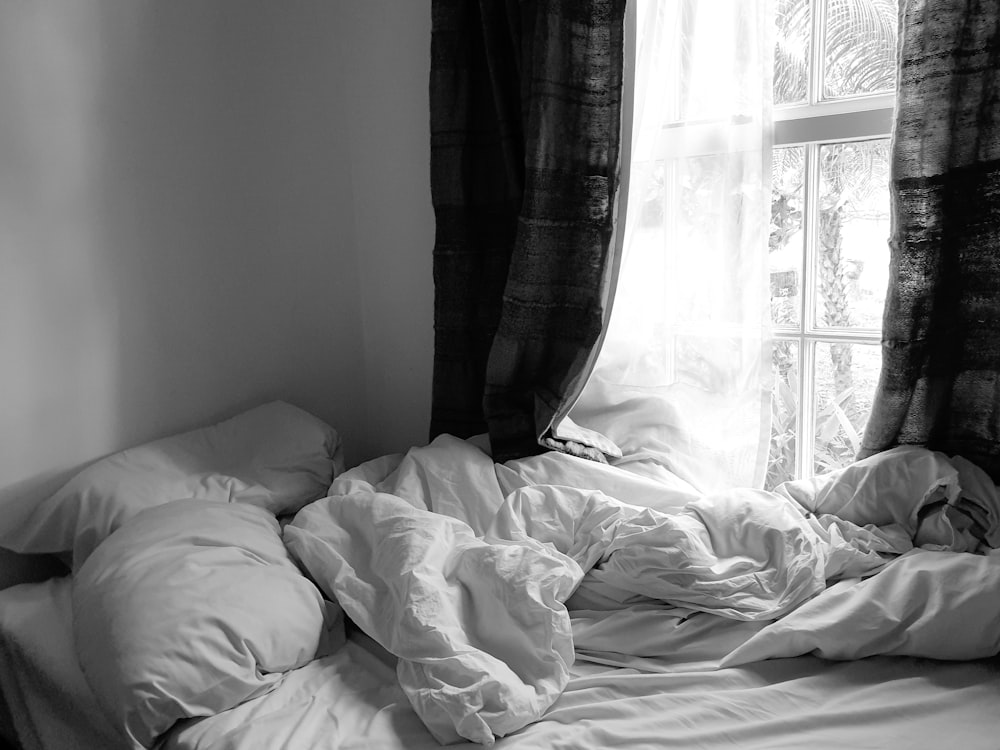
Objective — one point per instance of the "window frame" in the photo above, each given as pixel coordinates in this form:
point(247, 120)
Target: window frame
point(811, 125)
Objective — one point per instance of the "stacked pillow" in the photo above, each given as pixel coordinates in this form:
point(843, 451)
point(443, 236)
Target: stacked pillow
point(185, 600)
point(276, 456)
point(191, 608)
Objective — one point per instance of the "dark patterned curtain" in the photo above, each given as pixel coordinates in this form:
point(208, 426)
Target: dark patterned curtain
point(525, 124)
point(940, 383)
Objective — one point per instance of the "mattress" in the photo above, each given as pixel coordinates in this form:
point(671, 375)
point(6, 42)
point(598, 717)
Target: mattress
point(44, 691)
point(351, 699)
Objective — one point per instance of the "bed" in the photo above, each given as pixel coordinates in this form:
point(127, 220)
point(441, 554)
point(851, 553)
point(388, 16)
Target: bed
point(234, 587)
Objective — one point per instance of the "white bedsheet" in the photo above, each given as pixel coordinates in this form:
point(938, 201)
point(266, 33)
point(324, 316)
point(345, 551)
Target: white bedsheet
point(48, 697)
point(350, 701)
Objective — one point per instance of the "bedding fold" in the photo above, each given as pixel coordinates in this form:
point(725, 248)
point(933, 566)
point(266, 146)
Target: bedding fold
point(937, 605)
point(743, 554)
point(482, 635)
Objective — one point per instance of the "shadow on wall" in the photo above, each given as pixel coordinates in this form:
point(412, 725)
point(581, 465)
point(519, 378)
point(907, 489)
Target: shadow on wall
point(58, 335)
point(225, 205)
point(172, 204)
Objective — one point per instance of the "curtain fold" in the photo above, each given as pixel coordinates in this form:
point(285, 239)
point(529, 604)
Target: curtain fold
point(940, 379)
point(683, 379)
point(525, 127)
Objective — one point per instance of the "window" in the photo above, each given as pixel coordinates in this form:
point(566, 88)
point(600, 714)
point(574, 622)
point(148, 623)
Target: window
point(685, 374)
point(834, 80)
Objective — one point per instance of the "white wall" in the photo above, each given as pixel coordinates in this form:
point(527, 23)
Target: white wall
point(204, 205)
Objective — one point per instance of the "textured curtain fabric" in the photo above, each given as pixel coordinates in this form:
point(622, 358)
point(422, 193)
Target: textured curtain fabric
point(525, 125)
point(940, 381)
point(683, 379)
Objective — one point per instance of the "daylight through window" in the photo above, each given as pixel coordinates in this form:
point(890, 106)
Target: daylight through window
point(834, 81)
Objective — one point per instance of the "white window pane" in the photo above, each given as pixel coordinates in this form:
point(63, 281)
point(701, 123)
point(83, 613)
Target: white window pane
point(792, 51)
point(784, 413)
point(714, 85)
point(846, 376)
point(786, 242)
point(714, 224)
point(852, 254)
point(860, 47)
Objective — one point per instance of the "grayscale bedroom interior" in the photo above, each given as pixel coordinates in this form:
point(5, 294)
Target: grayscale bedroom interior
point(529, 373)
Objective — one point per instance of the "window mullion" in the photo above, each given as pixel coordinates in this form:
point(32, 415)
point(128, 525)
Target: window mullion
point(810, 249)
point(817, 67)
point(807, 412)
point(807, 347)
point(670, 225)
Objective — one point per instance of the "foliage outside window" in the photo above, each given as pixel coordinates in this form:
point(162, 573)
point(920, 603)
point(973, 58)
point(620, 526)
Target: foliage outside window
point(834, 78)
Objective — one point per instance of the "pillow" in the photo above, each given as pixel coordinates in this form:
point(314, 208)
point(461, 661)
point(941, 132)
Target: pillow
point(898, 486)
point(275, 456)
point(189, 609)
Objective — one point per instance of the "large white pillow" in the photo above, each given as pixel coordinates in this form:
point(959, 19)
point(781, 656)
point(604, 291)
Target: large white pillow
point(275, 456)
point(890, 487)
point(189, 609)
point(932, 497)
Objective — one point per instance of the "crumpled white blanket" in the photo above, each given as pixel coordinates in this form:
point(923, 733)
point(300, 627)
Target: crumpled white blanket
point(483, 638)
point(481, 595)
point(477, 616)
point(743, 554)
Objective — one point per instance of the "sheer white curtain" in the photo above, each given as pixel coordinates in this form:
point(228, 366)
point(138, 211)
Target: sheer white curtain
point(683, 381)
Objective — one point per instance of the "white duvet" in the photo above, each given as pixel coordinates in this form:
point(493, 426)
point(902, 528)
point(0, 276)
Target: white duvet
point(478, 614)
